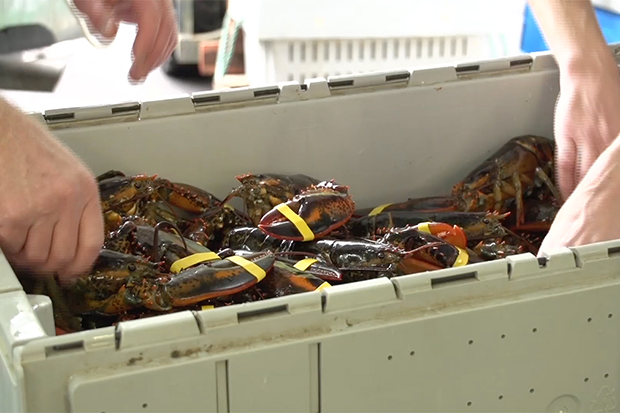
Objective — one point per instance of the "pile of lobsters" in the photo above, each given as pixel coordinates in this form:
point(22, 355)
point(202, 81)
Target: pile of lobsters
point(172, 247)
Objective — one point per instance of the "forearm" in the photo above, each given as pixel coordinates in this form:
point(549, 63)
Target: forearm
point(573, 34)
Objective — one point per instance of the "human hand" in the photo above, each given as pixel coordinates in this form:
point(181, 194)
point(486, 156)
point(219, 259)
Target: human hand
point(50, 211)
point(157, 31)
point(590, 214)
point(586, 118)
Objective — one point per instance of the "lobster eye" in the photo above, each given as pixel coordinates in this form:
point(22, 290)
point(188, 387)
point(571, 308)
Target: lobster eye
point(131, 267)
point(381, 255)
point(138, 185)
point(486, 220)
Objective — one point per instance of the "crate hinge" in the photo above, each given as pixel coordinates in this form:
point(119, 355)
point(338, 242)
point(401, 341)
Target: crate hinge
point(527, 265)
point(246, 96)
point(363, 81)
point(163, 328)
point(495, 67)
point(98, 115)
point(362, 294)
point(450, 277)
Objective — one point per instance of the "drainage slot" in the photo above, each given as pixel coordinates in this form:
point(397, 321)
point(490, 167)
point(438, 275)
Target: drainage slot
point(59, 348)
point(207, 99)
point(613, 251)
point(125, 109)
point(248, 315)
point(394, 78)
point(266, 92)
point(341, 83)
point(470, 276)
point(60, 117)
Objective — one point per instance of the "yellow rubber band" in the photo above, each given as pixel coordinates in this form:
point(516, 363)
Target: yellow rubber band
point(207, 307)
point(323, 286)
point(249, 266)
point(378, 210)
point(191, 260)
point(299, 223)
point(425, 227)
point(462, 259)
point(304, 264)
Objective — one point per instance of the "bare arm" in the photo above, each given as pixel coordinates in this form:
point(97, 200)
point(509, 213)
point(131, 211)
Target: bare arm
point(573, 34)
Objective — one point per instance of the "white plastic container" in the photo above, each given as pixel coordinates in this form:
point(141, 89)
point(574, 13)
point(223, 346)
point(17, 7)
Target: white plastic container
point(295, 40)
point(519, 334)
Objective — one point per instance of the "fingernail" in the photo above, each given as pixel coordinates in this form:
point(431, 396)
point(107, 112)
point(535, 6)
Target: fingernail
point(135, 82)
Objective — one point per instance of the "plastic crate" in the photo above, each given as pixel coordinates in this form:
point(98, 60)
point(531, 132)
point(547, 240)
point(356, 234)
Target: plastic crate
point(517, 335)
point(294, 40)
point(607, 13)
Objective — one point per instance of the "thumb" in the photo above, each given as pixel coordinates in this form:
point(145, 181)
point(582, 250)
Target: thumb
point(566, 168)
point(100, 14)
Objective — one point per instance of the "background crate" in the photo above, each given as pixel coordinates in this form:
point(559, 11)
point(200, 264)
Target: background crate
point(607, 13)
point(294, 40)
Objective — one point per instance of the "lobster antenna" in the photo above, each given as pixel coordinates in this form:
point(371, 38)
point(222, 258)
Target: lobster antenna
point(154, 252)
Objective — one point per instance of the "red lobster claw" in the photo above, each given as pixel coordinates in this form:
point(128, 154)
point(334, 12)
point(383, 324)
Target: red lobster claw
point(312, 214)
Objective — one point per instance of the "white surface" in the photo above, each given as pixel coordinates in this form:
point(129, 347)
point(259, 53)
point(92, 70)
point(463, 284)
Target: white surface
point(611, 5)
point(383, 345)
point(99, 75)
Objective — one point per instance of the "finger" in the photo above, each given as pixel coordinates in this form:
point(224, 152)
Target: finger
point(64, 240)
point(586, 159)
point(38, 242)
point(173, 41)
point(566, 165)
point(160, 46)
point(13, 239)
point(100, 16)
point(149, 20)
point(90, 241)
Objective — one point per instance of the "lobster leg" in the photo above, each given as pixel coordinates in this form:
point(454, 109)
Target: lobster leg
point(540, 173)
point(518, 198)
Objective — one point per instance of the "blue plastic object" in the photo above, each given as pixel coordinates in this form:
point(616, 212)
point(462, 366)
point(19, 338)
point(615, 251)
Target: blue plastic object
point(532, 39)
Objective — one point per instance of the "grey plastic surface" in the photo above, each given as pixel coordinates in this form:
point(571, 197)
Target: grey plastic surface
point(518, 335)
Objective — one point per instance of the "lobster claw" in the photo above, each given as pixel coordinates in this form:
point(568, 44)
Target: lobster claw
point(312, 214)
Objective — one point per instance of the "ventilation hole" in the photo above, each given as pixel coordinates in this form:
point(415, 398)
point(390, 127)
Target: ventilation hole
point(471, 342)
point(349, 51)
point(453, 47)
point(384, 49)
point(589, 319)
point(407, 48)
point(315, 51)
point(373, 50)
point(500, 397)
point(442, 47)
point(431, 45)
point(610, 315)
point(145, 405)
point(531, 390)
point(534, 330)
point(338, 51)
point(326, 47)
point(361, 51)
point(469, 403)
point(389, 357)
point(464, 44)
point(606, 375)
point(586, 380)
point(503, 335)
point(412, 353)
point(396, 48)
point(419, 46)
point(302, 52)
point(291, 52)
